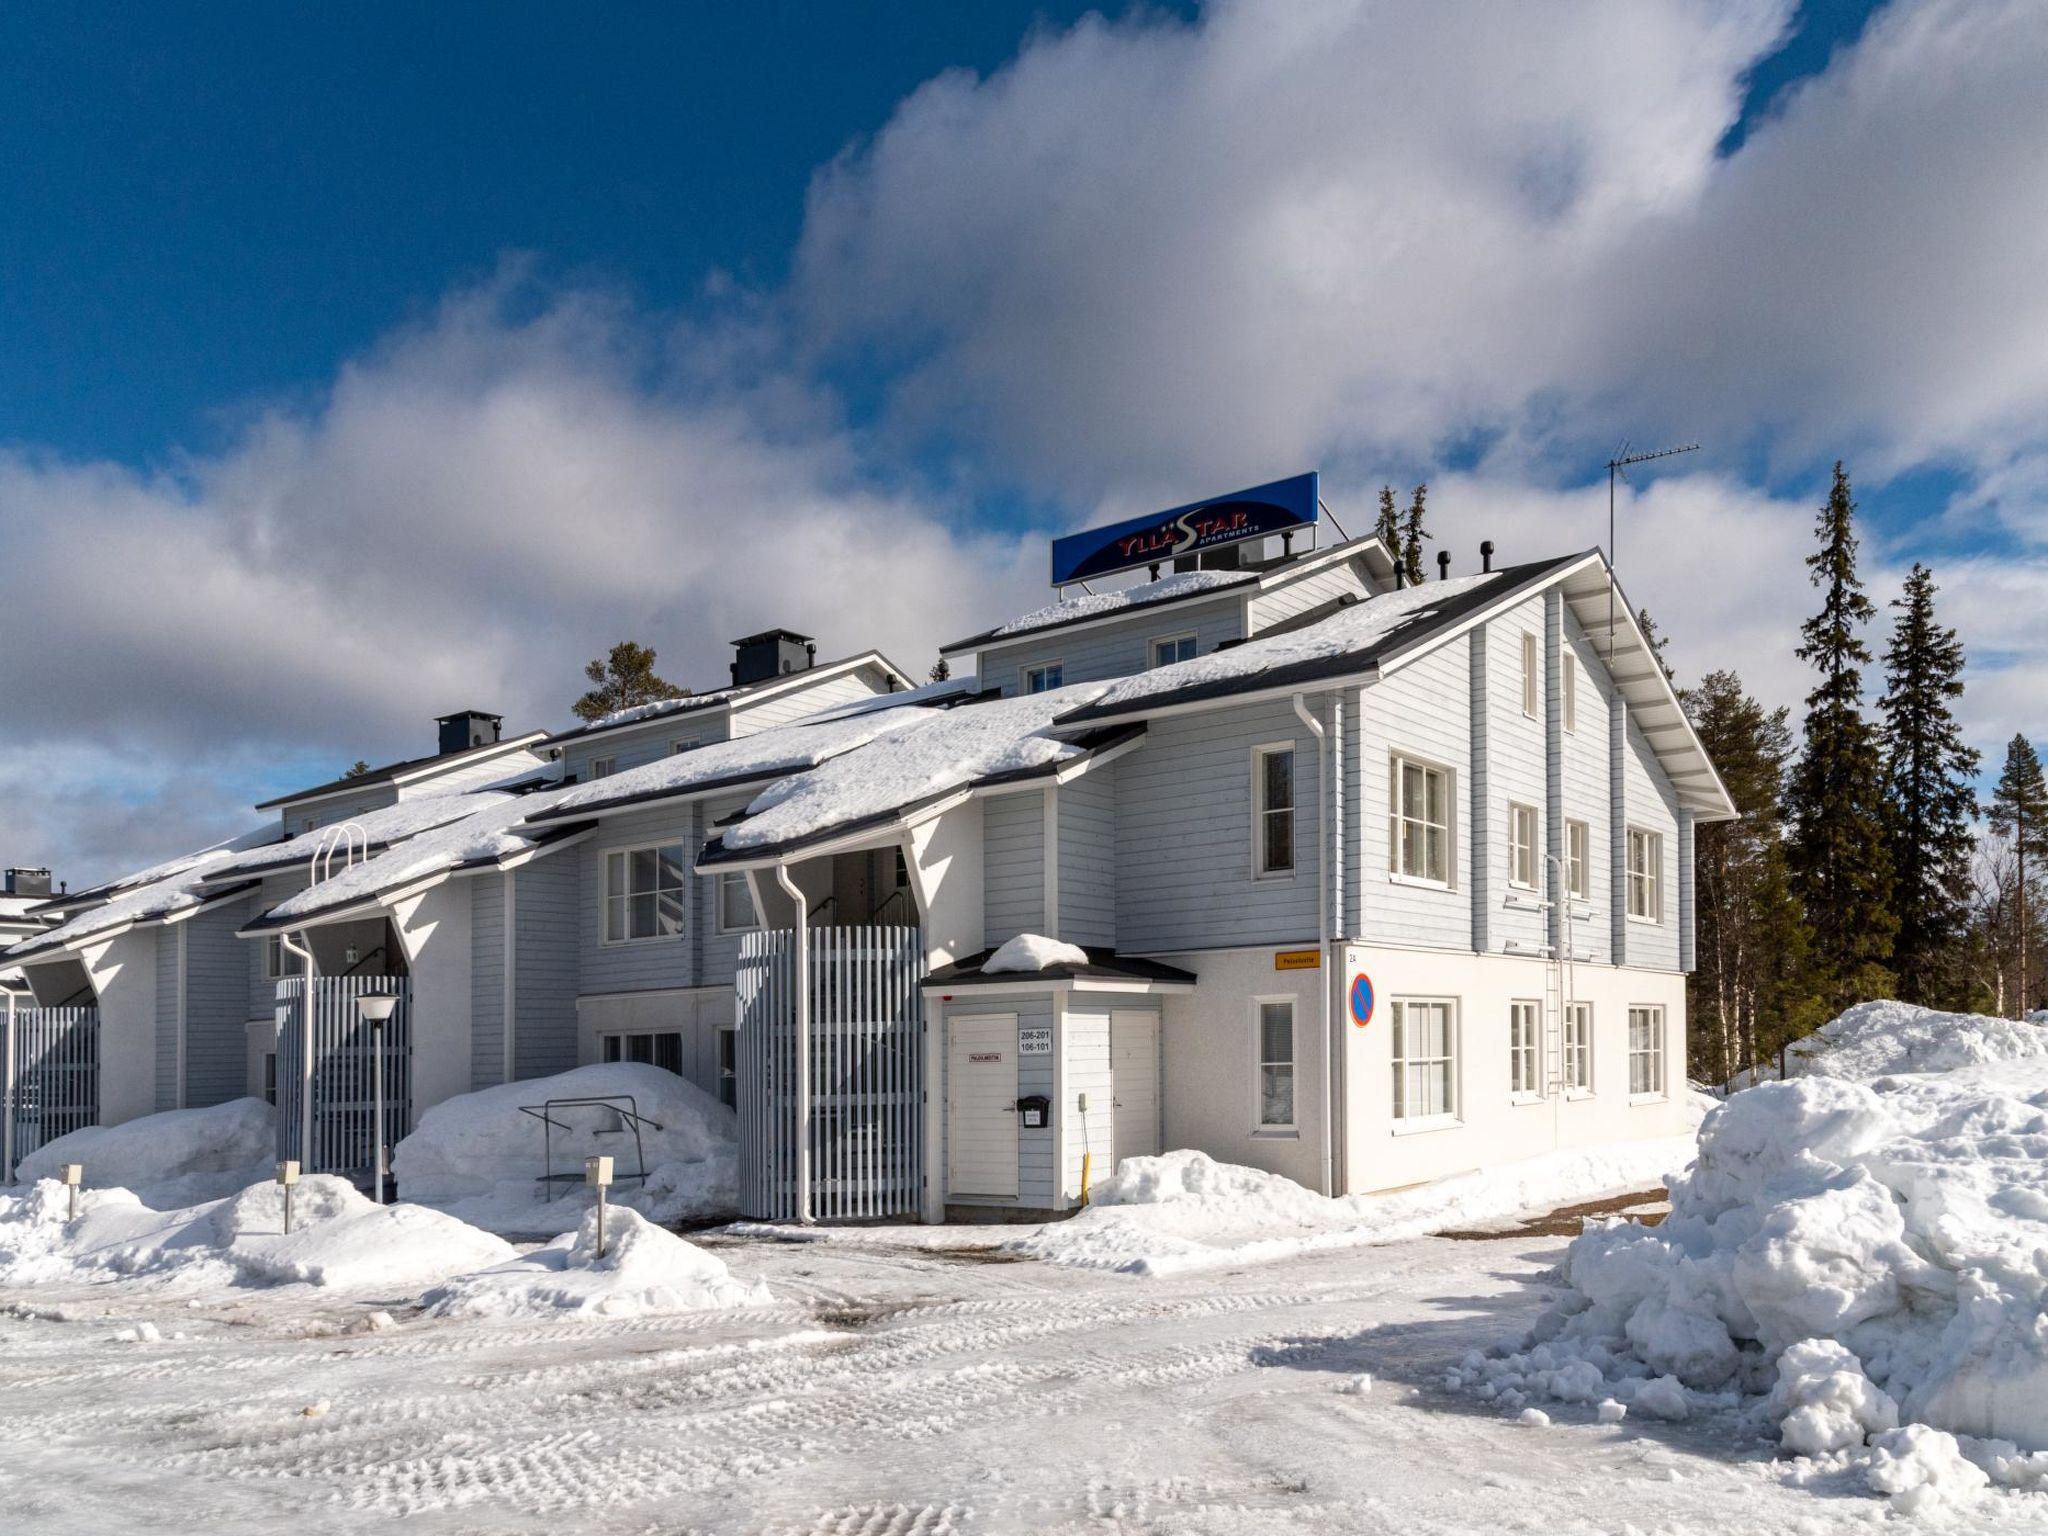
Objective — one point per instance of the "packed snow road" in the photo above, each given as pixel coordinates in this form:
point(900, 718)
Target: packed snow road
point(904, 1380)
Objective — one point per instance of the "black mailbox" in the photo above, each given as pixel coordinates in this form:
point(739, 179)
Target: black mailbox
point(1035, 1111)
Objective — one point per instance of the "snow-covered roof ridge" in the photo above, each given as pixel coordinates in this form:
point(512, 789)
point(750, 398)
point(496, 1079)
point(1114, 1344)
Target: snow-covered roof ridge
point(740, 695)
point(174, 896)
point(1096, 605)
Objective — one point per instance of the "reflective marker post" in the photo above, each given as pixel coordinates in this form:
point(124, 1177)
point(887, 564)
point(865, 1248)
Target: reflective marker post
point(73, 1175)
point(597, 1172)
point(287, 1177)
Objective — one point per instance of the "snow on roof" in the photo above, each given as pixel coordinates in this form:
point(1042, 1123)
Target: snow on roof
point(1098, 605)
point(148, 903)
point(930, 693)
point(659, 707)
point(384, 826)
point(937, 751)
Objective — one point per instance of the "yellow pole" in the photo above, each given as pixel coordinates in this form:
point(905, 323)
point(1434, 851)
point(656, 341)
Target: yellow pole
point(1085, 1156)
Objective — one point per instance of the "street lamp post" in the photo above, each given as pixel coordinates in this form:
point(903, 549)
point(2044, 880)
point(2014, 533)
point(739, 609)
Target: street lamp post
point(376, 1009)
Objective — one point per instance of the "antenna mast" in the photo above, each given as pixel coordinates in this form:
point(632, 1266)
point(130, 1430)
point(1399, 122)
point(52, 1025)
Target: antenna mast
point(1618, 465)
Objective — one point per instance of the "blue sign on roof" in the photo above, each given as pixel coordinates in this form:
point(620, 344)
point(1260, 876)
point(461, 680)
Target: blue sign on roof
point(1188, 530)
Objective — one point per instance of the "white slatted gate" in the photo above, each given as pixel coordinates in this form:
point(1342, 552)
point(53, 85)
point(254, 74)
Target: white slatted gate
point(52, 1077)
point(867, 1073)
point(344, 1103)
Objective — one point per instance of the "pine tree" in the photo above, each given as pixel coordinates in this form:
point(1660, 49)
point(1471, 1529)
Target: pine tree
point(1413, 534)
point(1928, 774)
point(940, 672)
point(1657, 642)
point(623, 678)
point(357, 769)
point(1387, 528)
point(1744, 996)
point(2018, 812)
point(1841, 869)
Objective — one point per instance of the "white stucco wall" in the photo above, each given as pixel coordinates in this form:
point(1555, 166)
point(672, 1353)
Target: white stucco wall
point(123, 972)
point(435, 930)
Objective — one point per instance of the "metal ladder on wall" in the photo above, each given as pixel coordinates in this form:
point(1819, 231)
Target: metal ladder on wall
point(1557, 981)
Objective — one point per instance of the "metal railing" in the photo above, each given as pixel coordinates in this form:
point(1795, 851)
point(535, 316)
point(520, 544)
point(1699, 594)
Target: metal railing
point(867, 1073)
point(344, 1109)
point(50, 1062)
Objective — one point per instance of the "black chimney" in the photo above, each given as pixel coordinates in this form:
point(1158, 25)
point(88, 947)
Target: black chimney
point(1486, 554)
point(28, 882)
point(467, 728)
point(772, 653)
point(1400, 573)
point(1443, 565)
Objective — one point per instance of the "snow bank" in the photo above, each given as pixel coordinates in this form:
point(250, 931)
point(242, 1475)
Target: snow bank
point(339, 1240)
point(1849, 1262)
point(180, 1148)
point(480, 1157)
point(645, 1270)
point(1185, 1211)
point(1033, 952)
point(1877, 1039)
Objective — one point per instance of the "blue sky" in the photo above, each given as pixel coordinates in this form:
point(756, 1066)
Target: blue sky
point(360, 364)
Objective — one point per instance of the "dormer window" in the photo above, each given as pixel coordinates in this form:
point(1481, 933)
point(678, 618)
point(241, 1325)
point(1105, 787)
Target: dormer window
point(1045, 678)
point(1171, 648)
point(603, 767)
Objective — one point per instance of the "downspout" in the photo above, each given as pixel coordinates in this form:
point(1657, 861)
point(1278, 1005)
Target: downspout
point(1315, 728)
point(802, 979)
point(291, 946)
point(7, 1098)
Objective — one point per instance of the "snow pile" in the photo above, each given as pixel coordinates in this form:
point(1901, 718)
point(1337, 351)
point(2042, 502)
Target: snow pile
point(645, 1270)
point(1033, 952)
point(169, 1157)
point(339, 1240)
point(480, 1156)
point(1876, 1039)
point(654, 709)
point(1849, 1262)
point(1185, 1211)
point(1099, 605)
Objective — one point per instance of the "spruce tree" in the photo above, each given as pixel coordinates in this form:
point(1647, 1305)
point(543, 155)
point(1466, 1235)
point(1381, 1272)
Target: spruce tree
point(2018, 812)
point(622, 679)
point(1413, 534)
point(1657, 642)
point(941, 671)
point(1841, 868)
point(1928, 774)
point(1387, 527)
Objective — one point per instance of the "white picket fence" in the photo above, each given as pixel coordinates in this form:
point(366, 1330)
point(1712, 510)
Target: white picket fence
point(51, 1063)
point(867, 1073)
point(344, 1103)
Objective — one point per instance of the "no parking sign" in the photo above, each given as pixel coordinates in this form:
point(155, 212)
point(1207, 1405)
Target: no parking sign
point(1361, 1000)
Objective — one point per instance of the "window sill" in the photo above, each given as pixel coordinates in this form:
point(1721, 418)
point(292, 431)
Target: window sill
point(1276, 877)
point(1276, 1133)
point(1521, 1099)
point(1396, 878)
point(663, 938)
point(1646, 922)
point(1522, 898)
point(1648, 1098)
point(1423, 1124)
point(1576, 1095)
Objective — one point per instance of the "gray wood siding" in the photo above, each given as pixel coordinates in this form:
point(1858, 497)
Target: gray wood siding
point(325, 813)
point(217, 966)
point(1013, 866)
point(1184, 835)
point(168, 985)
point(1653, 805)
point(486, 979)
point(631, 746)
point(1585, 780)
point(1346, 578)
point(544, 964)
point(1407, 713)
point(1517, 772)
point(262, 987)
point(1087, 875)
point(652, 963)
point(846, 688)
point(1117, 648)
point(718, 953)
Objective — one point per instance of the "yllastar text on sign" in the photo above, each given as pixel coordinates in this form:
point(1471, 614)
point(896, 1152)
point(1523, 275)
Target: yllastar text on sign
point(1297, 959)
point(1188, 530)
point(1361, 999)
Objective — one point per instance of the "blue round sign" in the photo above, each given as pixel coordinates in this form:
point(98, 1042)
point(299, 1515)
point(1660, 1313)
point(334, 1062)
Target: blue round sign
point(1361, 999)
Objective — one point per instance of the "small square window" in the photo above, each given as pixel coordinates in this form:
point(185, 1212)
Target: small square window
point(1044, 679)
point(603, 767)
point(735, 905)
point(1171, 649)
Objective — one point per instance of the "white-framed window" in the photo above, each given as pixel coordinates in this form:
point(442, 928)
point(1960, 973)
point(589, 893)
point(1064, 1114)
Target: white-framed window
point(1419, 821)
point(685, 744)
point(1531, 694)
point(1578, 861)
point(1425, 1045)
point(659, 1048)
point(1171, 648)
point(644, 892)
point(273, 958)
point(1522, 846)
point(1273, 810)
point(1570, 702)
point(1273, 1049)
point(1525, 1045)
point(1645, 875)
point(603, 767)
point(1578, 1047)
point(735, 904)
point(729, 1066)
point(1645, 1051)
point(1045, 678)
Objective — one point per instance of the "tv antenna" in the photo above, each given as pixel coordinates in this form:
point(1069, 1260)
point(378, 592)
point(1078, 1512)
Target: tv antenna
point(1619, 465)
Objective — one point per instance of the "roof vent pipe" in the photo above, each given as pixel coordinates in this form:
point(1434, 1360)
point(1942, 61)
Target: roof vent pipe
point(1443, 565)
point(1400, 575)
point(1486, 555)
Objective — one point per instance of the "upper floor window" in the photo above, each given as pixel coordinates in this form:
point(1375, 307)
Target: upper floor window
point(1419, 821)
point(1522, 846)
point(1171, 649)
point(1570, 702)
point(278, 962)
point(1530, 697)
point(1578, 863)
point(1646, 875)
point(1646, 1052)
point(735, 905)
point(1044, 679)
point(1425, 1046)
point(1273, 810)
point(687, 744)
point(644, 890)
point(603, 767)
point(1275, 1045)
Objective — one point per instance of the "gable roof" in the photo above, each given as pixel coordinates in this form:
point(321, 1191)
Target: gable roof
point(407, 770)
point(752, 693)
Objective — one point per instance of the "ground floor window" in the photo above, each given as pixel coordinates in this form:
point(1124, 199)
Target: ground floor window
point(729, 1068)
point(1274, 1018)
point(1525, 1030)
point(1578, 1047)
point(1425, 1042)
point(663, 1049)
point(1646, 1050)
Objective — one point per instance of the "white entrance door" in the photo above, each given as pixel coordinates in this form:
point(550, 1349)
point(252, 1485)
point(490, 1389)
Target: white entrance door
point(1134, 1075)
point(981, 1106)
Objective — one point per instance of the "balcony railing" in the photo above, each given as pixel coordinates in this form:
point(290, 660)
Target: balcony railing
point(50, 1062)
point(338, 1133)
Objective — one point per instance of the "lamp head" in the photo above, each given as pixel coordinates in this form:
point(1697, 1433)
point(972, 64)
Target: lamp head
point(377, 1007)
